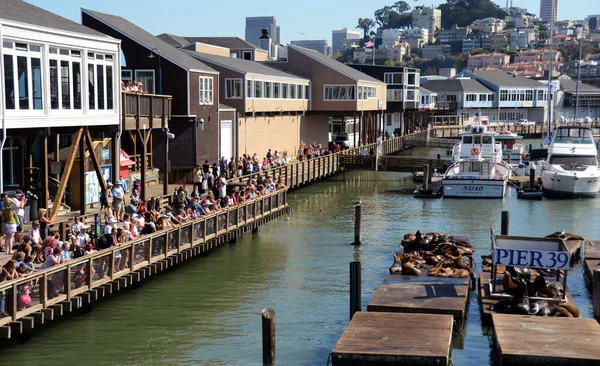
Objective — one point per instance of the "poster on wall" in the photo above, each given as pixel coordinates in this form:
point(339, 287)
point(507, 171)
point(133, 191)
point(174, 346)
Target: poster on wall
point(92, 188)
point(106, 172)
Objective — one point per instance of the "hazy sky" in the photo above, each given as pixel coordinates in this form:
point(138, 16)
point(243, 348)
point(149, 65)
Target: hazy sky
point(315, 18)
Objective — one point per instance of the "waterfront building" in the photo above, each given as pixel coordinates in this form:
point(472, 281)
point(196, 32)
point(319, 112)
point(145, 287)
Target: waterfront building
point(403, 93)
point(270, 103)
point(342, 99)
point(255, 25)
point(428, 18)
point(344, 38)
point(488, 25)
point(589, 99)
point(236, 46)
point(436, 50)
point(463, 96)
point(321, 45)
point(546, 11)
point(590, 71)
point(495, 59)
point(200, 127)
point(60, 88)
point(515, 97)
point(428, 99)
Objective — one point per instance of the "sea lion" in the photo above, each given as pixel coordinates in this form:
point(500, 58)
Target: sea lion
point(519, 304)
point(409, 237)
point(460, 273)
point(408, 268)
point(509, 285)
point(432, 260)
point(562, 312)
point(571, 308)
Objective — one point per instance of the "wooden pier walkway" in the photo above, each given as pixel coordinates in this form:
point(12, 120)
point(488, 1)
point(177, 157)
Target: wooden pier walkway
point(422, 294)
point(592, 259)
point(380, 338)
point(536, 340)
point(407, 164)
point(64, 288)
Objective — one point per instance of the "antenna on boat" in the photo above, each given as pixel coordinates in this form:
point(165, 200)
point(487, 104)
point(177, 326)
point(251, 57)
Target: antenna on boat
point(552, 2)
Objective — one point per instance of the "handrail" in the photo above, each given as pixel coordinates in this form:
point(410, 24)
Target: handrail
point(139, 252)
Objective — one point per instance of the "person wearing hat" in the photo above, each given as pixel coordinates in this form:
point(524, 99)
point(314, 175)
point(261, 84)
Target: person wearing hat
point(81, 241)
point(18, 205)
point(108, 201)
point(198, 177)
point(109, 225)
point(11, 222)
point(118, 200)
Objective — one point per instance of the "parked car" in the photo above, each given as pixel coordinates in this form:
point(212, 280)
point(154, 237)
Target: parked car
point(342, 139)
point(524, 122)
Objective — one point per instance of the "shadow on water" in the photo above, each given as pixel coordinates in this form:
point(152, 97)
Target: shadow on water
point(208, 311)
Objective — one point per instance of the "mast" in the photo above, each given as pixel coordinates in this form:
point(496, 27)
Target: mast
point(552, 2)
point(578, 73)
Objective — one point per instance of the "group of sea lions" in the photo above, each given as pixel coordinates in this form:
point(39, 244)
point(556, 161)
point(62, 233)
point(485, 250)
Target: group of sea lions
point(517, 282)
point(445, 256)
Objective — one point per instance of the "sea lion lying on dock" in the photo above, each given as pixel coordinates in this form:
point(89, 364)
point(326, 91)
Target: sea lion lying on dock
point(406, 264)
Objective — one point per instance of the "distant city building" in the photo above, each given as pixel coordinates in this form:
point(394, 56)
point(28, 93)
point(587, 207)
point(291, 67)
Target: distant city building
point(390, 52)
point(561, 40)
point(590, 71)
point(522, 38)
point(475, 41)
point(454, 34)
point(495, 59)
point(391, 36)
point(416, 37)
point(255, 25)
point(278, 35)
point(428, 18)
point(433, 51)
point(321, 45)
point(546, 9)
point(499, 41)
point(488, 25)
point(538, 55)
point(343, 38)
point(448, 72)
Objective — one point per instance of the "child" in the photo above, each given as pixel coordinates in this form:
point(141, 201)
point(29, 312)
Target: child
point(24, 297)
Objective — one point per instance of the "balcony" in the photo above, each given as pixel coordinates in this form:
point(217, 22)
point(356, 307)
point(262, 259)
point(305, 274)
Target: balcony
point(145, 111)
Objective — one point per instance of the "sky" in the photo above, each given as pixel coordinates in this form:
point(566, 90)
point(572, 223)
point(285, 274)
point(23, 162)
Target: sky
point(299, 20)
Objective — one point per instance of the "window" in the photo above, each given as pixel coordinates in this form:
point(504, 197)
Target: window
point(360, 93)
point(410, 96)
point(482, 98)
point(100, 75)
point(276, 88)
point(247, 55)
point(339, 92)
point(388, 119)
point(306, 92)
point(394, 95)
point(451, 98)
point(65, 85)
point(491, 97)
point(258, 89)
point(109, 86)
point(146, 77)
point(412, 79)
point(300, 91)
point(126, 75)
point(233, 88)
point(22, 76)
point(393, 78)
point(529, 95)
point(284, 90)
point(268, 88)
point(250, 89)
point(471, 97)
point(541, 95)
point(503, 95)
point(100, 81)
point(205, 89)
point(293, 91)
point(91, 86)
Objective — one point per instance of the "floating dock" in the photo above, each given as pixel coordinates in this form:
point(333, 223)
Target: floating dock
point(422, 294)
point(536, 340)
point(380, 338)
point(592, 258)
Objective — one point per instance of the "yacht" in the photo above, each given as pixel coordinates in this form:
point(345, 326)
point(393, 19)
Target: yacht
point(571, 168)
point(477, 169)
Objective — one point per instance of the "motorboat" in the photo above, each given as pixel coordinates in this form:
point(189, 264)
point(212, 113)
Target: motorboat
point(477, 169)
point(571, 168)
point(512, 149)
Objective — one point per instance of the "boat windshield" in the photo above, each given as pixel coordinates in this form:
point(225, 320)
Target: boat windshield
point(574, 136)
point(573, 162)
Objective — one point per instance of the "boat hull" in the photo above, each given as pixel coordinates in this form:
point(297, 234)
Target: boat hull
point(569, 186)
point(474, 188)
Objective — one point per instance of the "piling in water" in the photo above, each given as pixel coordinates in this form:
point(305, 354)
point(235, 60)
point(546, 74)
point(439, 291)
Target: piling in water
point(504, 223)
point(357, 225)
point(355, 288)
point(531, 179)
point(268, 336)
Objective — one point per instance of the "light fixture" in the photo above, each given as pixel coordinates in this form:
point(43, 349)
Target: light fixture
point(151, 55)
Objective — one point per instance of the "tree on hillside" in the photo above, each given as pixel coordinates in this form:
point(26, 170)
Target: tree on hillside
point(382, 16)
point(366, 24)
point(345, 55)
point(393, 16)
point(571, 51)
point(400, 20)
point(463, 13)
point(401, 6)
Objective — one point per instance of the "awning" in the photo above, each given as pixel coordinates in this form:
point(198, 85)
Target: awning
point(125, 159)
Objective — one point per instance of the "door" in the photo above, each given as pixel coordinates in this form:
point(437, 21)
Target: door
point(226, 140)
point(146, 77)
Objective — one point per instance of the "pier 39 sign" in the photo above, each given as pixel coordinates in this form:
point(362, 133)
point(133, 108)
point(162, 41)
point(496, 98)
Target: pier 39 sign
point(531, 258)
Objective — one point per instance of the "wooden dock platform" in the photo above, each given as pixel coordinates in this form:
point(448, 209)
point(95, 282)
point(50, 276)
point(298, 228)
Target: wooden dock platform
point(592, 249)
point(422, 294)
point(535, 340)
point(379, 338)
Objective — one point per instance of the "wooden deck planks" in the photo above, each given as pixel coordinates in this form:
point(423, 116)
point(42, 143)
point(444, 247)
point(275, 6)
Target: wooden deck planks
point(389, 338)
point(522, 339)
point(422, 294)
point(592, 249)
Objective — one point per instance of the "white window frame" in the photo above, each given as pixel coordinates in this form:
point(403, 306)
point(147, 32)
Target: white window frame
point(153, 79)
point(15, 53)
point(414, 98)
point(84, 79)
point(244, 54)
point(276, 86)
point(230, 84)
point(388, 78)
point(127, 78)
point(206, 90)
point(250, 89)
point(395, 95)
point(352, 87)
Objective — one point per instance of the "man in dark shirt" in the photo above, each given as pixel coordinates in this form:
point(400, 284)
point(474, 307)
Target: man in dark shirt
point(205, 166)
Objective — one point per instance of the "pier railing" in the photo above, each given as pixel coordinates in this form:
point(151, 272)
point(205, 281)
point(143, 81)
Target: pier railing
point(62, 283)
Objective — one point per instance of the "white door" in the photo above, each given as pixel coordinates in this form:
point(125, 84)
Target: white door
point(226, 140)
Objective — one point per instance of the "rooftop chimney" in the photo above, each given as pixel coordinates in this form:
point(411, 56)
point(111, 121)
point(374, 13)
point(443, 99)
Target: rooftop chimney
point(264, 41)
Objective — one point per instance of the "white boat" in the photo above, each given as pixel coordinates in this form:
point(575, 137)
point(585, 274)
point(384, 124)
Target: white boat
point(512, 150)
point(478, 170)
point(571, 169)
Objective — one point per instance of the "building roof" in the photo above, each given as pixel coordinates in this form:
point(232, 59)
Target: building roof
point(336, 65)
point(22, 12)
point(233, 43)
point(173, 40)
point(149, 41)
point(501, 78)
point(456, 86)
point(493, 54)
point(570, 86)
point(243, 66)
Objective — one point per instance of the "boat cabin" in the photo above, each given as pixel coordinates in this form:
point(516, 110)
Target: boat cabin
point(477, 153)
point(573, 135)
point(573, 148)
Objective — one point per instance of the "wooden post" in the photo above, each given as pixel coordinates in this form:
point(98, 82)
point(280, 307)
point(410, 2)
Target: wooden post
point(64, 179)
point(426, 174)
point(355, 288)
point(268, 336)
point(596, 294)
point(82, 175)
point(166, 163)
point(44, 172)
point(505, 223)
point(531, 178)
point(357, 224)
point(429, 166)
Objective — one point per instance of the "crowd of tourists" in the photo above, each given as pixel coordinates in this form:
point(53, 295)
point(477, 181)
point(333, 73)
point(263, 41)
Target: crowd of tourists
point(37, 248)
point(132, 87)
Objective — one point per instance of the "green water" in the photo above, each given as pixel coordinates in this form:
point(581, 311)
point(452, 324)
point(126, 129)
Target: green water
point(208, 311)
